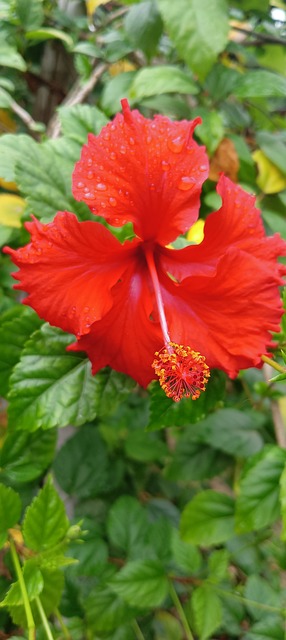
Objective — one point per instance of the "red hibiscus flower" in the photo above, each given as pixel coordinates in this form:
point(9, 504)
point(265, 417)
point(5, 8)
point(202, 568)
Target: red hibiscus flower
point(204, 306)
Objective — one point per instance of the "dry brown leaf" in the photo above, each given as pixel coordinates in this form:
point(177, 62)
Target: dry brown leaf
point(225, 160)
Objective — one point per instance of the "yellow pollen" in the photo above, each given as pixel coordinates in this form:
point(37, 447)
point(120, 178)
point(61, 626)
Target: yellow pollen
point(182, 372)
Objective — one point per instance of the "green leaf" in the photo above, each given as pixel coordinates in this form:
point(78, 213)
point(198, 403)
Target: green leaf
point(207, 611)
point(5, 99)
point(45, 180)
point(82, 466)
point(259, 590)
point(34, 585)
point(211, 131)
point(143, 25)
point(221, 81)
point(185, 554)
point(10, 511)
point(141, 583)
point(144, 447)
point(106, 611)
point(164, 412)
point(267, 629)
point(260, 84)
point(273, 147)
point(80, 120)
point(218, 565)
point(258, 500)
point(195, 461)
point(208, 519)
point(50, 598)
point(9, 57)
point(16, 326)
point(167, 627)
point(112, 388)
point(91, 556)
point(116, 89)
point(229, 430)
point(29, 14)
point(199, 30)
point(48, 33)
point(283, 502)
point(165, 79)
point(127, 524)
point(12, 148)
point(45, 523)
point(51, 387)
point(25, 456)
point(252, 5)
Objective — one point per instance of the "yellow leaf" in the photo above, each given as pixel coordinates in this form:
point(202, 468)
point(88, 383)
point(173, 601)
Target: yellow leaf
point(91, 5)
point(269, 179)
point(196, 232)
point(11, 209)
point(10, 186)
point(7, 125)
point(121, 67)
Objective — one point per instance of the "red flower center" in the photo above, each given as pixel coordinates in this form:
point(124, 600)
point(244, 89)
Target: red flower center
point(182, 372)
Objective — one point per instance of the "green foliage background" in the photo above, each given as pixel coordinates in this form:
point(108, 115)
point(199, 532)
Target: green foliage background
point(143, 519)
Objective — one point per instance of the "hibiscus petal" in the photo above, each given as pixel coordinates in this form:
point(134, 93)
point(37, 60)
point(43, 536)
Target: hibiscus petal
point(228, 315)
point(68, 270)
point(148, 172)
point(127, 337)
point(237, 223)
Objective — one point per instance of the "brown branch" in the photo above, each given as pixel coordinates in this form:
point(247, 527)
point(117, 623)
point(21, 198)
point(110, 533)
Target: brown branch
point(76, 95)
point(24, 116)
point(262, 37)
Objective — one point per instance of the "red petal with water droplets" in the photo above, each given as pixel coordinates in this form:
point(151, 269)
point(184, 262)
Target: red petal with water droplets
point(226, 315)
point(68, 270)
point(126, 338)
point(148, 172)
point(238, 224)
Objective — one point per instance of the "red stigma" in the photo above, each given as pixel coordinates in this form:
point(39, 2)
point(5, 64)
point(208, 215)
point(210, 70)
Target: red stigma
point(182, 372)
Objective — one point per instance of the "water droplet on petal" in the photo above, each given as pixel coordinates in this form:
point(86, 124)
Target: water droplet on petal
point(106, 135)
point(186, 183)
point(80, 185)
point(122, 149)
point(89, 162)
point(148, 139)
point(152, 186)
point(113, 202)
point(203, 167)
point(132, 141)
point(176, 145)
point(112, 127)
point(165, 165)
point(85, 309)
point(113, 155)
point(90, 175)
point(100, 186)
point(103, 205)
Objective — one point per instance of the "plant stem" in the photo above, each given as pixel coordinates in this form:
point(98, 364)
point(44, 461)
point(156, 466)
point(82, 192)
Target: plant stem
point(180, 610)
point(62, 624)
point(274, 364)
point(26, 602)
point(137, 630)
point(44, 618)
